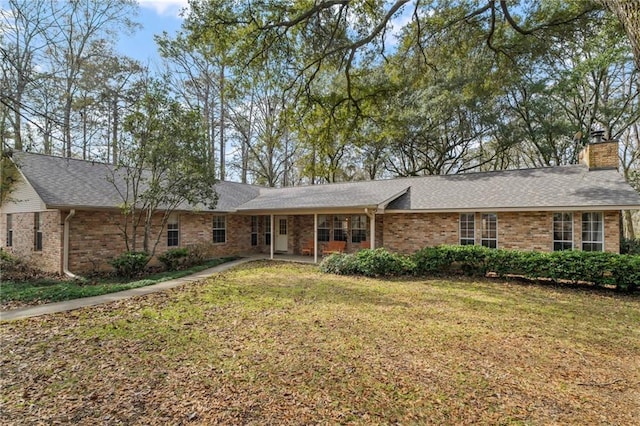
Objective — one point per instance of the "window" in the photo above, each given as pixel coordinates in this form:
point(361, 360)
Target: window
point(37, 232)
point(173, 233)
point(340, 227)
point(282, 227)
point(467, 229)
point(324, 228)
point(9, 230)
point(254, 230)
point(358, 228)
point(489, 230)
point(219, 229)
point(562, 231)
point(592, 233)
point(267, 230)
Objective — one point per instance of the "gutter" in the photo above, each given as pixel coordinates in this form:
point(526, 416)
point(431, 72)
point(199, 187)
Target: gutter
point(65, 248)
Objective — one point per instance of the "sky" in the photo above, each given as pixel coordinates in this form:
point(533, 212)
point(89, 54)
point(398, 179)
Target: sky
point(155, 16)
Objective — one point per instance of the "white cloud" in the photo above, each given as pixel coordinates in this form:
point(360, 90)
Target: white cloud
point(165, 7)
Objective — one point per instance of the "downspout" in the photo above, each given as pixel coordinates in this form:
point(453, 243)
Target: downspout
point(65, 247)
point(371, 214)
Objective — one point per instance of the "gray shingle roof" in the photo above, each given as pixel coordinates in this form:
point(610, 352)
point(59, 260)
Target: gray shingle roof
point(338, 195)
point(63, 182)
point(551, 187)
point(67, 182)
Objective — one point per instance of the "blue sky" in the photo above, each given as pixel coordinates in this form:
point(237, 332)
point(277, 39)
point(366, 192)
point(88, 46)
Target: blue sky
point(155, 16)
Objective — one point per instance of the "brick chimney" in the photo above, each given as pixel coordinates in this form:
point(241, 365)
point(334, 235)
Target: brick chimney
point(599, 153)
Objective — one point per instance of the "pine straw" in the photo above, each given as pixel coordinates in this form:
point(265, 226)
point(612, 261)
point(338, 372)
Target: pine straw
point(271, 343)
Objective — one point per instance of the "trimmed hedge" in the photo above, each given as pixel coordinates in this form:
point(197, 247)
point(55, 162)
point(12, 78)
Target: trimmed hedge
point(621, 271)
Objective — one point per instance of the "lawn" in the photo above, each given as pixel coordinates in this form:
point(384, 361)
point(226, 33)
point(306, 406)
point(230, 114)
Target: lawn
point(278, 343)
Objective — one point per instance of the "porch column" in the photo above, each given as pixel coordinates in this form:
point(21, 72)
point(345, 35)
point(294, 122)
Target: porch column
point(315, 238)
point(272, 235)
point(372, 226)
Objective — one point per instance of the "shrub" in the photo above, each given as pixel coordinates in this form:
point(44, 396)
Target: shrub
point(130, 264)
point(599, 268)
point(630, 246)
point(175, 258)
point(380, 262)
point(431, 261)
point(340, 264)
point(370, 263)
point(16, 269)
point(626, 272)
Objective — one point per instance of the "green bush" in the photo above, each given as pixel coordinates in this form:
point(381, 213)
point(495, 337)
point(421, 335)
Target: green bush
point(380, 262)
point(626, 272)
point(175, 259)
point(598, 268)
point(130, 263)
point(370, 263)
point(340, 264)
point(630, 246)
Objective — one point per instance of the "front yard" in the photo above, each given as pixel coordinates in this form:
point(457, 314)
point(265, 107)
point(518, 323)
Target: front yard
point(274, 343)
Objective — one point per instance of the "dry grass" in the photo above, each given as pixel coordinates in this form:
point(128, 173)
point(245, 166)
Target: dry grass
point(271, 343)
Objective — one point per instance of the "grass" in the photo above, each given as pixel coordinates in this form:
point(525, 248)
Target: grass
point(55, 290)
point(276, 343)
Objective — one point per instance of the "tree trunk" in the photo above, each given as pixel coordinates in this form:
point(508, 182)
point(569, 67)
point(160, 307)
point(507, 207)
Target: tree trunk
point(222, 108)
point(114, 136)
point(628, 13)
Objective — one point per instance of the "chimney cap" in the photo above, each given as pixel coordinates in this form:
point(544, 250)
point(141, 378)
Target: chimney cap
point(597, 136)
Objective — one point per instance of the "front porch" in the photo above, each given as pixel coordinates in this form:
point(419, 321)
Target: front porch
point(304, 236)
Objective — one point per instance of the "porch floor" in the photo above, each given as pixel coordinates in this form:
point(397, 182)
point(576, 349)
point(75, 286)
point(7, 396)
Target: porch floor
point(286, 257)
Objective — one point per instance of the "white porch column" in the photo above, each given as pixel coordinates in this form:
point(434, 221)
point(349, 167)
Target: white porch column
point(272, 235)
point(315, 238)
point(372, 226)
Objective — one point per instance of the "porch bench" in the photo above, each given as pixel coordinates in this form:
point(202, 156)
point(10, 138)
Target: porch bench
point(334, 247)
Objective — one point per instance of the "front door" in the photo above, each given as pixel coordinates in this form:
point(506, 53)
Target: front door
point(282, 240)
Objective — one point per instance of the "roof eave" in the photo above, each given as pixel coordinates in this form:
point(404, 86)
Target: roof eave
point(518, 209)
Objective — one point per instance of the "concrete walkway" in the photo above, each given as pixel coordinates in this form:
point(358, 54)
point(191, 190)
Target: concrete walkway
point(69, 305)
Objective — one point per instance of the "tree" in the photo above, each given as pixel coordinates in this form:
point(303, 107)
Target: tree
point(162, 168)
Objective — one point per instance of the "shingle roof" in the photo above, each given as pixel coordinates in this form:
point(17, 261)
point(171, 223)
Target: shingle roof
point(63, 182)
point(68, 182)
point(338, 195)
point(551, 187)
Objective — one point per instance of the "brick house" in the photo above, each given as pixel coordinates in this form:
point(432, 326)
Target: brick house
point(63, 214)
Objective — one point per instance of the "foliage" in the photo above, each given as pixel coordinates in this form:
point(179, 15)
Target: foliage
point(370, 263)
point(174, 259)
point(9, 176)
point(599, 268)
point(14, 268)
point(185, 257)
point(29, 290)
point(165, 166)
point(130, 263)
point(630, 246)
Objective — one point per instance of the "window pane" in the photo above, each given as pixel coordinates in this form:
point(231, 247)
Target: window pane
point(219, 229)
point(562, 231)
point(592, 231)
point(489, 230)
point(467, 228)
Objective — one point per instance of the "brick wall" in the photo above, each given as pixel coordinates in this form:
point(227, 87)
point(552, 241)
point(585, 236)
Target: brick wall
point(600, 155)
point(23, 246)
point(407, 233)
point(96, 238)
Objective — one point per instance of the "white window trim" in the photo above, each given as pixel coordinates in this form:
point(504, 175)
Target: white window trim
point(582, 227)
point(214, 229)
point(497, 227)
point(573, 231)
point(460, 228)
